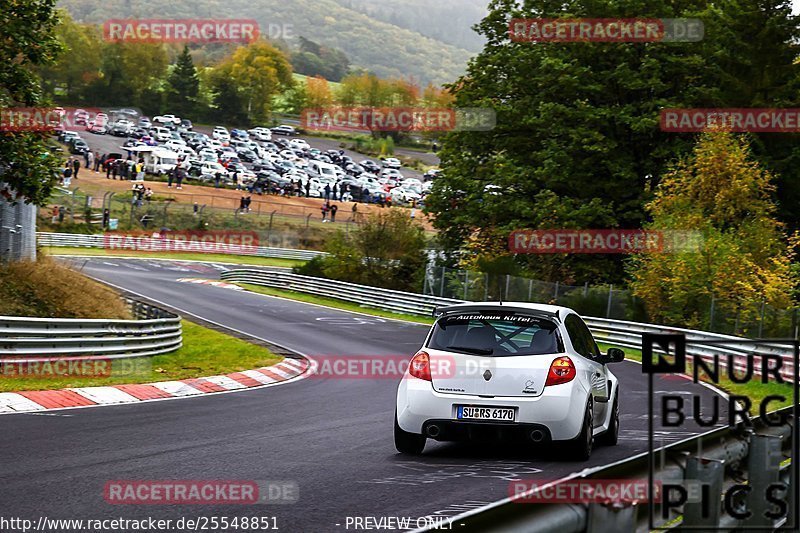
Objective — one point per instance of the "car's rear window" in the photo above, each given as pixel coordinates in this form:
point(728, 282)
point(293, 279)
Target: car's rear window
point(496, 335)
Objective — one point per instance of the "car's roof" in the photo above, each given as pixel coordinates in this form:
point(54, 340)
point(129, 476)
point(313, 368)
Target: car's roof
point(545, 308)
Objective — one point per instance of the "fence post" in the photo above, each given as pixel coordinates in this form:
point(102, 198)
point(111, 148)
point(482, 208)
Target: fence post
point(485, 286)
point(709, 472)
point(555, 291)
point(308, 219)
point(441, 287)
point(711, 315)
point(508, 280)
point(586, 289)
point(764, 470)
point(761, 319)
point(466, 283)
point(608, 306)
point(530, 289)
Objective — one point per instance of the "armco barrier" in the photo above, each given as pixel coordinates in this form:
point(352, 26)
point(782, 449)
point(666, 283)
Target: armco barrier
point(155, 331)
point(618, 332)
point(97, 241)
point(727, 455)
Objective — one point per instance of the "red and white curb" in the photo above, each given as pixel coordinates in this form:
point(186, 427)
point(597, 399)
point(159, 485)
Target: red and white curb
point(31, 401)
point(212, 282)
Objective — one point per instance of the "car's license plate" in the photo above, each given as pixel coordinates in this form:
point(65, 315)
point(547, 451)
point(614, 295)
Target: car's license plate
point(505, 414)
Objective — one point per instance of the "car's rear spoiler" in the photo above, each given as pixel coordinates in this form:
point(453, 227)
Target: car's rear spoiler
point(460, 308)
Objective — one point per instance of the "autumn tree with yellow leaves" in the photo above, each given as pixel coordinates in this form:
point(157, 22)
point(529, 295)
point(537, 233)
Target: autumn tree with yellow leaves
point(743, 258)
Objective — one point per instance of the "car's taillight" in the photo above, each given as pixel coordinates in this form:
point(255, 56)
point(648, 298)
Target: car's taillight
point(562, 370)
point(420, 366)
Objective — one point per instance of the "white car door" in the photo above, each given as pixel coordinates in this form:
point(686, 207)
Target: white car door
point(596, 372)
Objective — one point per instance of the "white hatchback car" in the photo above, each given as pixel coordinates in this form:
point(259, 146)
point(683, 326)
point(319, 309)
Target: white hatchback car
point(524, 371)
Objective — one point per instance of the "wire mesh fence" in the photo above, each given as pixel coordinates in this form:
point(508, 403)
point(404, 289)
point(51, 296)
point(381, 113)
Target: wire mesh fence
point(749, 318)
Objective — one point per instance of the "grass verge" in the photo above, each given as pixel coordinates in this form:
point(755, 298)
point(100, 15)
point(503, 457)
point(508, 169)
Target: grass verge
point(333, 302)
point(754, 390)
point(179, 256)
point(47, 289)
point(205, 352)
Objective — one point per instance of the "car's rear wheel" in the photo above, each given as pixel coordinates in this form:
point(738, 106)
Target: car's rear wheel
point(611, 437)
point(580, 449)
point(408, 443)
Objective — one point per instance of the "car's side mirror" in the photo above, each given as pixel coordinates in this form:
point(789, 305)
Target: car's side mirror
point(614, 355)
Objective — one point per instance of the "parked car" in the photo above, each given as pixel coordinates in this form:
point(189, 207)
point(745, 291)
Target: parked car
point(370, 166)
point(299, 144)
point(167, 119)
point(527, 372)
point(391, 162)
point(122, 128)
point(78, 146)
point(284, 129)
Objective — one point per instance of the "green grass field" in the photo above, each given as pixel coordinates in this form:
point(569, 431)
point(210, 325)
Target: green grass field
point(205, 352)
point(180, 256)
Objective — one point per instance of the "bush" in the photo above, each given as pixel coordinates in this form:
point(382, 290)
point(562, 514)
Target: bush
point(387, 250)
point(47, 289)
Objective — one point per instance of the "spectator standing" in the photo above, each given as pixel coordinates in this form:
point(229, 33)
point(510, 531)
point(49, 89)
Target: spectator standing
point(148, 194)
point(106, 217)
point(98, 162)
point(67, 175)
point(55, 214)
point(107, 165)
point(327, 191)
point(180, 174)
point(76, 164)
point(324, 210)
point(247, 202)
point(171, 175)
point(308, 188)
point(217, 177)
point(335, 190)
point(333, 209)
point(61, 212)
point(115, 168)
point(89, 160)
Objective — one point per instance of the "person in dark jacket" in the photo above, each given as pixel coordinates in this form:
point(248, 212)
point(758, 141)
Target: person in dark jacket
point(76, 164)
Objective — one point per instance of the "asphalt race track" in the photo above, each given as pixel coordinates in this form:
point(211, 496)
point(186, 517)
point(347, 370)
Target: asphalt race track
point(331, 436)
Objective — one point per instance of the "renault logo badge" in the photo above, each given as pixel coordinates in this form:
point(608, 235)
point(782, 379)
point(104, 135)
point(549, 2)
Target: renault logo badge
point(487, 375)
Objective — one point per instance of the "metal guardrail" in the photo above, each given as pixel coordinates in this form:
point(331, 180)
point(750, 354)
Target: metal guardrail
point(618, 332)
point(154, 332)
point(389, 300)
point(98, 241)
point(717, 459)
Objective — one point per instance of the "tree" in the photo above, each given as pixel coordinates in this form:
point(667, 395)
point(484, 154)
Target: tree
point(725, 196)
point(184, 86)
point(318, 92)
point(27, 41)
point(387, 250)
point(79, 64)
point(580, 121)
point(260, 72)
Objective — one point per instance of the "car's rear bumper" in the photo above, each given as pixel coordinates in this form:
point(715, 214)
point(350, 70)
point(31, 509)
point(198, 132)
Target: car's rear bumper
point(560, 410)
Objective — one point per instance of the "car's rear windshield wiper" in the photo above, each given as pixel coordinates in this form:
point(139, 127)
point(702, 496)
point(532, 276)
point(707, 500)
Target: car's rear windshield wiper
point(468, 349)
